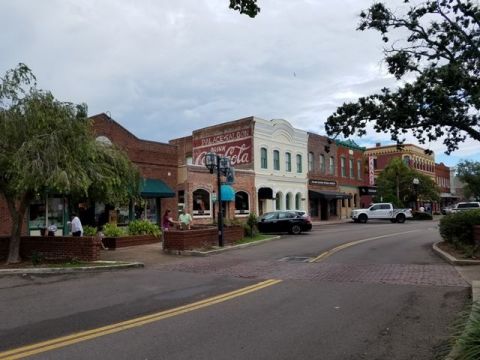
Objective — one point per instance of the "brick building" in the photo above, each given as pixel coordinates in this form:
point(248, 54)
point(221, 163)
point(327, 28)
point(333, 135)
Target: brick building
point(197, 188)
point(443, 178)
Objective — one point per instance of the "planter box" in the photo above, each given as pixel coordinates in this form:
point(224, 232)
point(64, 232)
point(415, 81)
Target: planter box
point(200, 237)
point(130, 240)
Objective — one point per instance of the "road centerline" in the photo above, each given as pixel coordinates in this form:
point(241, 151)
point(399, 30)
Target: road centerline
point(332, 251)
point(63, 341)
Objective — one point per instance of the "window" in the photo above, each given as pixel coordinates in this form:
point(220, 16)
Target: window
point(406, 160)
point(288, 162)
point(288, 202)
point(263, 158)
point(241, 203)
point(298, 201)
point(359, 169)
point(322, 163)
point(299, 163)
point(332, 165)
point(375, 164)
point(181, 199)
point(310, 161)
point(189, 160)
point(286, 215)
point(352, 170)
point(201, 203)
point(276, 160)
point(342, 165)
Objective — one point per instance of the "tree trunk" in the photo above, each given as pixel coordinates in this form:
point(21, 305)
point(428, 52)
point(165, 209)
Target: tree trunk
point(17, 216)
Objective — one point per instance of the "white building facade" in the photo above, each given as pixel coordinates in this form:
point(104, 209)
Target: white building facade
point(281, 166)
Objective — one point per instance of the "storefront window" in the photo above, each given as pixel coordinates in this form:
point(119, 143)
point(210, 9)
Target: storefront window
point(241, 203)
point(201, 203)
point(151, 210)
point(41, 216)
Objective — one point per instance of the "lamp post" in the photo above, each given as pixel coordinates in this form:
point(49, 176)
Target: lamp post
point(415, 182)
point(222, 164)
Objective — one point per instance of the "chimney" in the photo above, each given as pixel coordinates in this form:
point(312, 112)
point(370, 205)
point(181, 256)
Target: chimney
point(378, 144)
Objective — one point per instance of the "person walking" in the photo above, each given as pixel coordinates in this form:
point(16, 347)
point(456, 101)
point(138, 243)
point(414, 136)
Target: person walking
point(77, 229)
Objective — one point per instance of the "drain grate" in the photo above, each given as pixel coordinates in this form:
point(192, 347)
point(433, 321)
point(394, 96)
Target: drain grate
point(295, 259)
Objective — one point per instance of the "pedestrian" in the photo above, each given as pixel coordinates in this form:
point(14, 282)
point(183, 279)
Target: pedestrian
point(167, 220)
point(77, 229)
point(421, 209)
point(185, 220)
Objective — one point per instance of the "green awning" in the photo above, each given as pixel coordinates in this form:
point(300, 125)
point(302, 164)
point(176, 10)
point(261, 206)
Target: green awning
point(155, 188)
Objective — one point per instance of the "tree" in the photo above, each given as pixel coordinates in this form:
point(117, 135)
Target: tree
point(395, 184)
point(469, 173)
point(442, 55)
point(48, 145)
point(248, 7)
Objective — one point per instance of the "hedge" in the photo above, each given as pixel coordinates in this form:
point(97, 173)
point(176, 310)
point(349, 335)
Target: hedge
point(458, 228)
point(422, 216)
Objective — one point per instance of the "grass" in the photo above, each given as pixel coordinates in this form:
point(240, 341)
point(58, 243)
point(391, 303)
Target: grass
point(258, 237)
point(467, 345)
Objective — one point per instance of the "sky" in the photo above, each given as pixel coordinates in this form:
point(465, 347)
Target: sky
point(164, 68)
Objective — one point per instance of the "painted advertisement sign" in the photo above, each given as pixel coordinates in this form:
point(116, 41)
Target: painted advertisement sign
point(371, 171)
point(237, 145)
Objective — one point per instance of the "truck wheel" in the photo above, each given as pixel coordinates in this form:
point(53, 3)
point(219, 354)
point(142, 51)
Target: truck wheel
point(363, 218)
point(295, 229)
point(400, 218)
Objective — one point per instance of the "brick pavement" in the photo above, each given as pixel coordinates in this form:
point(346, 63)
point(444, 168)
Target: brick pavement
point(395, 274)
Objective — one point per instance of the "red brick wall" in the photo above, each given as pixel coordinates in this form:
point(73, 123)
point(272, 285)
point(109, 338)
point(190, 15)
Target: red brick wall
point(442, 172)
point(316, 145)
point(200, 238)
point(357, 155)
point(155, 160)
point(55, 247)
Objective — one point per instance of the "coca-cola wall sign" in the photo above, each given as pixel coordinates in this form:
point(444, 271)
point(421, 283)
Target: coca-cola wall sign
point(237, 145)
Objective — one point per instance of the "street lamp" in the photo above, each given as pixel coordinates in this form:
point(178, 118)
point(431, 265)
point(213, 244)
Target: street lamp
point(223, 166)
point(415, 182)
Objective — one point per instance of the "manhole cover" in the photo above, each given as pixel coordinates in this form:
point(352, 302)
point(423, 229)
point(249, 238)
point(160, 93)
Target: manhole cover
point(295, 259)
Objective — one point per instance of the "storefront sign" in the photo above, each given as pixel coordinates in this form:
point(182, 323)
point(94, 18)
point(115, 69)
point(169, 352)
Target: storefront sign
point(371, 171)
point(236, 145)
point(367, 190)
point(322, 182)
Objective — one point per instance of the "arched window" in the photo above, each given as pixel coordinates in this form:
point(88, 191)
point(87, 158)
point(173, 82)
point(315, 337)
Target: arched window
point(242, 205)
point(278, 201)
point(310, 161)
point(263, 158)
point(298, 201)
point(276, 160)
point(288, 201)
point(201, 203)
point(288, 162)
point(299, 163)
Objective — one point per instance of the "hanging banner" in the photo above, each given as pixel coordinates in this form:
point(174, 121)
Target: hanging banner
point(371, 171)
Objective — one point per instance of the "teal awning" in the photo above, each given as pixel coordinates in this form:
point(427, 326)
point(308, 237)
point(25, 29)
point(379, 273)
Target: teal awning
point(228, 194)
point(155, 188)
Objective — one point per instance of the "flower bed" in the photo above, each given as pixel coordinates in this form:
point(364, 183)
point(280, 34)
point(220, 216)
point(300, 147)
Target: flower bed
point(113, 242)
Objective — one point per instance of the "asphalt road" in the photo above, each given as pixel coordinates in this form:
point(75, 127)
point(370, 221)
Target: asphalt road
point(389, 297)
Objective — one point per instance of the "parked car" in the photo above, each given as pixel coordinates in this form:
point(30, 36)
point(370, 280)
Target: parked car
point(464, 206)
point(383, 211)
point(293, 222)
point(447, 210)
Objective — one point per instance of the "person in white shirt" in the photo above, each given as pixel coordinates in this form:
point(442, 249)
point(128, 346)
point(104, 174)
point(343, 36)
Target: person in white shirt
point(77, 229)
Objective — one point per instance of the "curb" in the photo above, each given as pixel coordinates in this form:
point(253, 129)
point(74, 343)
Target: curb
point(451, 259)
point(109, 266)
point(220, 250)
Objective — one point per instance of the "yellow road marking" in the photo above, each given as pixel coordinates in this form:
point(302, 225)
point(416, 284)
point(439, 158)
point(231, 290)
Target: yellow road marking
point(128, 324)
point(327, 253)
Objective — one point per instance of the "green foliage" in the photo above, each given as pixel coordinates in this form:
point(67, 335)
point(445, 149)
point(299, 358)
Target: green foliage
point(395, 185)
point(232, 222)
point(468, 338)
point(441, 48)
point(469, 173)
point(457, 228)
point(248, 7)
point(251, 225)
point(36, 258)
point(112, 230)
point(46, 144)
point(89, 230)
point(422, 216)
point(143, 227)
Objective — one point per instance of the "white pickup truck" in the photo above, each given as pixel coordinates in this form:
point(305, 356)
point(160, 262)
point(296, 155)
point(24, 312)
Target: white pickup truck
point(384, 211)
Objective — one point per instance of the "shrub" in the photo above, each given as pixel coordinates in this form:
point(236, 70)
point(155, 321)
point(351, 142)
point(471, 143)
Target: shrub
point(112, 230)
point(143, 227)
point(252, 224)
point(232, 222)
point(89, 230)
point(457, 229)
point(422, 216)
